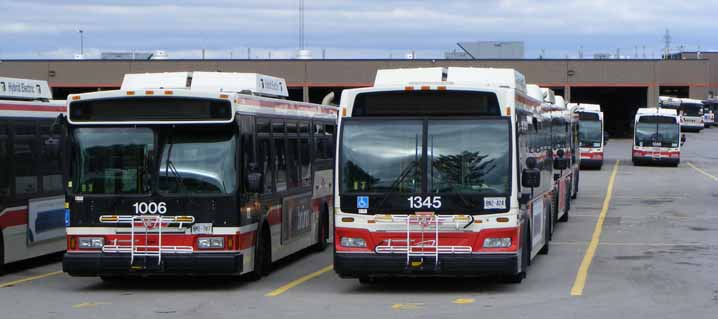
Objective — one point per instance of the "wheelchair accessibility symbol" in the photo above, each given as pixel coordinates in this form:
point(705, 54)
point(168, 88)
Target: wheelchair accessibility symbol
point(363, 202)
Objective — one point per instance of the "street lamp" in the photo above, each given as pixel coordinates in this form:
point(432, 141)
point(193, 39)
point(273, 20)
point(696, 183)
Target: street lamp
point(82, 43)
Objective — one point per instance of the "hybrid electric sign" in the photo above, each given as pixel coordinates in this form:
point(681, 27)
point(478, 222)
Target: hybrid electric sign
point(24, 89)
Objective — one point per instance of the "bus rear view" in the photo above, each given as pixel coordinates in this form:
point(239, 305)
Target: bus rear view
point(657, 137)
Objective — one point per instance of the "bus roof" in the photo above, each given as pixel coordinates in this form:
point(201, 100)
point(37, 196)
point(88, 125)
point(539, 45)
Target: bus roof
point(691, 101)
point(534, 91)
point(24, 89)
point(35, 109)
point(585, 107)
point(208, 82)
point(489, 77)
point(548, 95)
point(560, 102)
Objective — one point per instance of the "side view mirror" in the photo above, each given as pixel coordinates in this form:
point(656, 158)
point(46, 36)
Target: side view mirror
point(255, 179)
point(683, 139)
point(531, 176)
point(606, 137)
point(560, 163)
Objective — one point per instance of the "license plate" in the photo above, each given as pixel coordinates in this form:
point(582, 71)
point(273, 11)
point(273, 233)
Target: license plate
point(202, 228)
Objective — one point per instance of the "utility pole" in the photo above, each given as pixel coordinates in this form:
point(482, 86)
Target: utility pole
point(82, 42)
point(667, 47)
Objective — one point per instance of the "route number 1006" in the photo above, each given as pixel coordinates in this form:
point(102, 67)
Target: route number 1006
point(417, 202)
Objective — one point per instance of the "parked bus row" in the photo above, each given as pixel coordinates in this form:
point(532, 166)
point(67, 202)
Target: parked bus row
point(431, 171)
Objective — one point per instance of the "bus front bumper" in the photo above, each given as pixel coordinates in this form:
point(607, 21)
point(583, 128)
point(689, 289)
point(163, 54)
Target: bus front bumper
point(355, 265)
point(591, 163)
point(103, 264)
point(656, 160)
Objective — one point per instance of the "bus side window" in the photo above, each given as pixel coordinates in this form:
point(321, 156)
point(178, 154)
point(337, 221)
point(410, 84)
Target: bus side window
point(50, 159)
point(292, 155)
point(25, 155)
point(5, 160)
point(280, 154)
point(330, 128)
point(305, 154)
point(264, 154)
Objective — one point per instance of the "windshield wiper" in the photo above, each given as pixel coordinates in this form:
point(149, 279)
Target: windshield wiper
point(398, 181)
point(170, 167)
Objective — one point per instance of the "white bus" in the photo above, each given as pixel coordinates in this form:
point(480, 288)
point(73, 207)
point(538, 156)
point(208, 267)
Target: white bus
point(32, 218)
point(442, 171)
point(590, 134)
point(690, 112)
point(201, 173)
point(657, 137)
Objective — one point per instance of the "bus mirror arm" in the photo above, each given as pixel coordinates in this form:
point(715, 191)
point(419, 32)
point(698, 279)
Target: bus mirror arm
point(683, 139)
point(524, 199)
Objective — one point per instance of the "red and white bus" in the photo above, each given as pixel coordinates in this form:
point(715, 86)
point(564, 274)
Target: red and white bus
point(201, 173)
point(657, 137)
point(591, 136)
point(442, 171)
point(31, 199)
point(690, 112)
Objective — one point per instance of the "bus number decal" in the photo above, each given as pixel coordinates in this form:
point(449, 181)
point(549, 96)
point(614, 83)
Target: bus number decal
point(152, 208)
point(416, 202)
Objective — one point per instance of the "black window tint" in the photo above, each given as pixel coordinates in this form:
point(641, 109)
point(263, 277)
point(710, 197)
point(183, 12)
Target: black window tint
point(322, 147)
point(50, 160)
point(277, 128)
point(293, 161)
point(263, 126)
point(303, 128)
point(5, 160)
point(264, 159)
point(291, 128)
point(329, 129)
point(280, 162)
point(306, 161)
point(25, 153)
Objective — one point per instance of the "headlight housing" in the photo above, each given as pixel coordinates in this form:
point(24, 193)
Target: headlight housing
point(502, 242)
point(210, 242)
point(91, 242)
point(351, 242)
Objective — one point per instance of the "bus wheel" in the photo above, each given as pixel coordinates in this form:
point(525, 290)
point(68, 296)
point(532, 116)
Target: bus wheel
point(322, 231)
point(575, 194)
point(366, 280)
point(547, 238)
point(525, 261)
point(2, 254)
point(262, 254)
point(564, 218)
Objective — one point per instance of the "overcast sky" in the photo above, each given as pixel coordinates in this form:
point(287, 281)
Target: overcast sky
point(350, 28)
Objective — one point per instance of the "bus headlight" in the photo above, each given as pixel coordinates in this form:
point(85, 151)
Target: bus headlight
point(351, 242)
point(503, 242)
point(91, 242)
point(210, 242)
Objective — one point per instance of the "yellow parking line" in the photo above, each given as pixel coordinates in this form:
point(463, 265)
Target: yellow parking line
point(299, 281)
point(19, 281)
point(703, 172)
point(582, 274)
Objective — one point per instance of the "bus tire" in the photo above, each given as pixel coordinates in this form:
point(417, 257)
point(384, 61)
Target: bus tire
point(525, 261)
point(322, 230)
point(547, 237)
point(564, 218)
point(575, 194)
point(2, 254)
point(262, 253)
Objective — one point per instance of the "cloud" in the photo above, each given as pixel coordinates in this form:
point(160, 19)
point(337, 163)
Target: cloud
point(377, 28)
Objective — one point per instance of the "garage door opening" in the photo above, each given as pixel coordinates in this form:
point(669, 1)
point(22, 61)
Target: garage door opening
point(674, 91)
point(619, 105)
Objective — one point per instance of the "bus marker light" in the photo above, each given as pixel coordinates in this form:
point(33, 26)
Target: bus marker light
point(168, 92)
point(425, 88)
point(106, 219)
point(441, 88)
point(230, 244)
point(347, 219)
point(130, 93)
point(73, 243)
point(184, 219)
point(148, 92)
point(344, 112)
point(67, 205)
point(408, 88)
point(417, 263)
point(508, 111)
point(76, 97)
point(502, 219)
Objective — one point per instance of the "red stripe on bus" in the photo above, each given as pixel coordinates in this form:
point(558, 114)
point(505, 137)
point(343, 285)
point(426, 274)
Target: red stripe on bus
point(246, 240)
point(274, 217)
point(36, 108)
point(13, 218)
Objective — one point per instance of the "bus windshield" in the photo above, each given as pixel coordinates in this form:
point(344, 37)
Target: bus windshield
point(657, 133)
point(589, 133)
point(464, 156)
point(692, 109)
point(198, 162)
point(114, 160)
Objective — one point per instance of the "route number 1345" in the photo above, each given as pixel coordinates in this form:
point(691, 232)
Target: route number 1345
point(417, 202)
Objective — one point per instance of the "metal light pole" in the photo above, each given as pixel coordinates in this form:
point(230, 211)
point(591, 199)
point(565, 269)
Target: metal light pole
point(82, 43)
